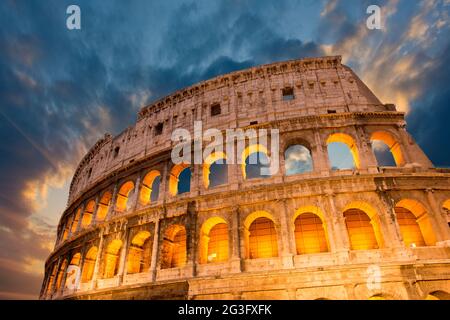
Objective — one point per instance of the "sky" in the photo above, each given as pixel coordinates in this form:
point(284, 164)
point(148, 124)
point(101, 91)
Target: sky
point(61, 89)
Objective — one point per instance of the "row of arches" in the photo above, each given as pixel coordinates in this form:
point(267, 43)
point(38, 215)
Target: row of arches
point(342, 151)
point(261, 233)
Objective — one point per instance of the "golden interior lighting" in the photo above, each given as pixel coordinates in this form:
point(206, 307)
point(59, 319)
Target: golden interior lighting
point(61, 271)
point(146, 187)
point(139, 253)
point(262, 239)
point(111, 259)
point(360, 230)
point(393, 145)
point(438, 295)
point(409, 228)
point(173, 251)
point(310, 234)
point(89, 264)
point(123, 195)
point(103, 206)
point(212, 158)
point(254, 148)
point(426, 237)
point(214, 240)
point(349, 141)
point(88, 213)
point(174, 177)
point(75, 220)
point(51, 279)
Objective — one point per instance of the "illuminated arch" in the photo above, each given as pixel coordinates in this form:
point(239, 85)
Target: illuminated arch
point(103, 206)
point(310, 230)
point(174, 179)
point(214, 240)
point(89, 264)
point(254, 148)
point(363, 226)
point(51, 279)
point(173, 250)
point(111, 259)
point(297, 159)
point(408, 207)
point(139, 253)
point(349, 142)
point(446, 207)
point(261, 236)
point(147, 191)
point(75, 220)
point(438, 295)
point(61, 271)
point(393, 145)
point(208, 162)
point(88, 213)
point(123, 196)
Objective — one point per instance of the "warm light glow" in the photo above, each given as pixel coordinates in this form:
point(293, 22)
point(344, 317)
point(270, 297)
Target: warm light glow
point(146, 187)
point(87, 215)
point(173, 251)
point(360, 230)
point(123, 195)
point(210, 159)
point(213, 244)
point(174, 178)
point(409, 228)
point(89, 264)
point(310, 234)
point(347, 140)
point(111, 259)
point(393, 145)
point(75, 220)
point(262, 239)
point(103, 206)
point(139, 253)
point(61, 272)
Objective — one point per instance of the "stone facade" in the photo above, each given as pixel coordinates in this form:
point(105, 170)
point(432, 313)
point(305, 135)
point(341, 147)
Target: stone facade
point(123, 244)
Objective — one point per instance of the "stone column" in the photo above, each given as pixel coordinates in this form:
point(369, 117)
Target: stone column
point(286, 236)
point(404, 140)
point(392, 236)
point(82, 259)
point(94, 214)
point(137, 188)
point(97, 261)
point(155, 251)
point(321, 162)
point(329, 225)
point(235, 258)
point(55, 279)
point(191, 236)
point(367, 158)
point(112, 206)
point(164, 185)
point(80, 218)
point(438, 220)
point(123, 256)
point(340, 230)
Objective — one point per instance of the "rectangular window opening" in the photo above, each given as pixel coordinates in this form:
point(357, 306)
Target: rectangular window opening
point(288, 94)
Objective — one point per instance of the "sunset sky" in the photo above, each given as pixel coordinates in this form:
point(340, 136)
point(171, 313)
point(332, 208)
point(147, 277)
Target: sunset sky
point(61, 90)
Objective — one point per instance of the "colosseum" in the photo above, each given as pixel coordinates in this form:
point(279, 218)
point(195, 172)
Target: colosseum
point(138, 226)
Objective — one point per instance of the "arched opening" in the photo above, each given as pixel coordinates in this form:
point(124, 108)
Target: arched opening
point(150, 187)
point(310, 235)
point(386, 149)
point(214, 241)
point(297, 160)
point(103, 206)
point(377, 297)
point(173, 250)
point(51, 279)
point(125, 192)
point(111, 259)
point(438, 295)
point(180, 179)
point(71, 276)
point(139, 253)
point(255, 162)
point(89, 264)
point(75, 221)
point(414, 222)
point(261, 235)
point(363, 230)
point(59, 278)
point(342, 152)
point(215, 170)
point(88, 213)
point(446, 208)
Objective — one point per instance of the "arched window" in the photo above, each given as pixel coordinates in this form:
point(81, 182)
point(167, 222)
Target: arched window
point(214, 241)
point(150, 187)
point(262, 239)
point(125, 192)
point(173, 251)
point(255, 162)
point(386, 149)
point(62, 270)
point(310, 234)
point(51, 279)
point(180, 179)
point(438, 295)
point(88, 213)
point(360, 231)
point(75, 220)
point(139, 253)
point(414, 223)
point(446, 208)
point(103, 206)
point(297, 160)
point(111, 259)
point(72, 271)
point(215, 170)
point(89, 264)
point(342, 152)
